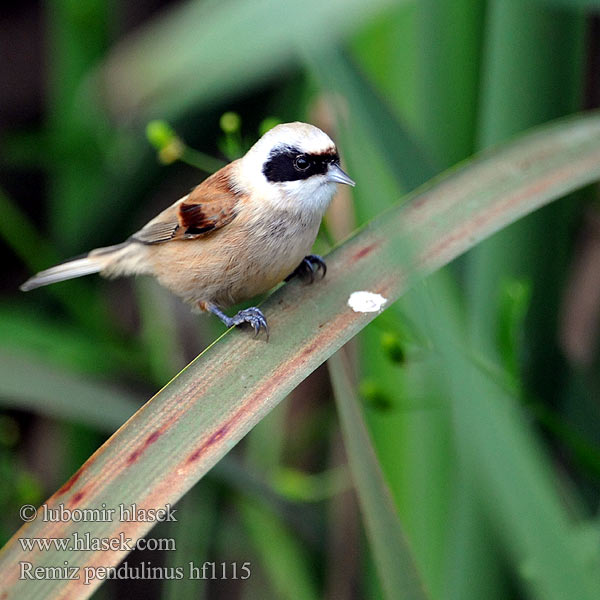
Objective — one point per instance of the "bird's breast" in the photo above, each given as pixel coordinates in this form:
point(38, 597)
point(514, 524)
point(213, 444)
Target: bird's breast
point(275, 248)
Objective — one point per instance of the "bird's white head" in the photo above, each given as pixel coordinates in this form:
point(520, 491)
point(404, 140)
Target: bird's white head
point(295, 166)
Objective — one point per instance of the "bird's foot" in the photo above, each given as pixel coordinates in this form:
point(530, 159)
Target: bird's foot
point(251, 315)
point(310, 265)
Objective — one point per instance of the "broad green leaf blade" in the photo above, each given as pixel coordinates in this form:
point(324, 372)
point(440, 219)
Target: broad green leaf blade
point(289, 568)
point(159, 330)
point(202, 413)
point(449, 62)
point(521, 64)
point(30, 384)
point(77, 38)
point(196, 518)
point(23, 329)
point(395, 564)
point(516, 482)
point(204, 50)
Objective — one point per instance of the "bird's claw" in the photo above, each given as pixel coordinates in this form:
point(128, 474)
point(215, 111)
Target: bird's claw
point(309, 266)
point(254, 317)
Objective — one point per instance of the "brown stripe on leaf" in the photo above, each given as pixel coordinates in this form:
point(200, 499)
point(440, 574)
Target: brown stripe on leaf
point(77, 498)
point(364, 252)
point(152, 437)
point(215, 437)
point(71, 482)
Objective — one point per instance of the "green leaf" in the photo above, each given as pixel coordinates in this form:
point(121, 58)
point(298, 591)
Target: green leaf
point(159, 329)
point(514, 303)
point(78, 34)
point(29, 384)
point(27, 331)
point(449, 64)
point(289, 567)
point(514, 478)
point(520, 65)
point(196, 518)
point(397, 570)
point(168, 55)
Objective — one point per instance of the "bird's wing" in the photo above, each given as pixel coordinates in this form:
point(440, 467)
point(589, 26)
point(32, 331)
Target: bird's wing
point(208, 207)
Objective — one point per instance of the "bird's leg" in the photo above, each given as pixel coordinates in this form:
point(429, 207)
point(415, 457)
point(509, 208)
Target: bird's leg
point(250, 315)
point(309, 265)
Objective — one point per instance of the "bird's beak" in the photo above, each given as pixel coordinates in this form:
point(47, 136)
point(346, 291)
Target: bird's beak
point(335, 173)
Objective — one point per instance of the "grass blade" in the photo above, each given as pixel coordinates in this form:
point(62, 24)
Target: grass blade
point(169, 54)
point(397, 570)
point(289, 568)
point(29, 384)
point(515, 480)
point(529, 54)
point(170, 443)
point(449, 62)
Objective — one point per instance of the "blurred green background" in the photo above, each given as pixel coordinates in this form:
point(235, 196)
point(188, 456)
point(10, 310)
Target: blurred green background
point(492, 454)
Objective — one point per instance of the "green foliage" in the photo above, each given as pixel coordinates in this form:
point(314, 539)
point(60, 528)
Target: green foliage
point(393, 557)
point(459, 494)
point(214, 401)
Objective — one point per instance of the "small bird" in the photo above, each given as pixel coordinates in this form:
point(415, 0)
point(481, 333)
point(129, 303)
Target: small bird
point(240, 232)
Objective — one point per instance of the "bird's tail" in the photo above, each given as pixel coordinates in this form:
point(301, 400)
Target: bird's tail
point(94, 262)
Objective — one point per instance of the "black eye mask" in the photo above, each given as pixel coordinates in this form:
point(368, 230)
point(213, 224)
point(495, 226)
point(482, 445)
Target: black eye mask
point(286, 163)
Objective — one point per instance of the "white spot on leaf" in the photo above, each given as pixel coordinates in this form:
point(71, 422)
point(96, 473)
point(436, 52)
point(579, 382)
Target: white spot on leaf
point(365, 302)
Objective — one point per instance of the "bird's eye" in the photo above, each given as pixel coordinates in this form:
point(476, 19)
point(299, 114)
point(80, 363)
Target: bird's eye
point(301, 163)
